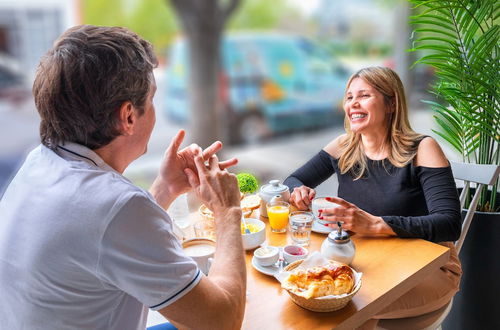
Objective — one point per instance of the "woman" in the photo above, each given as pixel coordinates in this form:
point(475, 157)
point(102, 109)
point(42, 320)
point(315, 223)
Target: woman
point(392, 182)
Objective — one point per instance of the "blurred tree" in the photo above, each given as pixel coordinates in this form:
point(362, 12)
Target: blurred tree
point(260, 14)
point(155, 22)
point(203, 22)
point(110, 13)
point(151, 19)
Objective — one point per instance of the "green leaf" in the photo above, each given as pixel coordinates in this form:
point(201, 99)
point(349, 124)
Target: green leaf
point(460, 40)
point(438, 31)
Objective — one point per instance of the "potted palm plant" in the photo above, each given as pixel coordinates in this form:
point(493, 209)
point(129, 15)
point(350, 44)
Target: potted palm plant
point(460, 40)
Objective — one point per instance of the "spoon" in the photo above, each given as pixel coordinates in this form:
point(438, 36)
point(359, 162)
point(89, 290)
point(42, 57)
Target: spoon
point(281, 260)
point(247, 231)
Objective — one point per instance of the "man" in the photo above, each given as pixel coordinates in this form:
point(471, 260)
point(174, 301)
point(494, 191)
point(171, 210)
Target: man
point(80, 245)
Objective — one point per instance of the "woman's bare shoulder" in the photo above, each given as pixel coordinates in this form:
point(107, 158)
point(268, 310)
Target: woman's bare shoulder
point(334, 147)
point(430, 154)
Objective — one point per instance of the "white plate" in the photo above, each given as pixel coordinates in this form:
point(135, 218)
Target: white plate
point(319, 228)
point(268, 270)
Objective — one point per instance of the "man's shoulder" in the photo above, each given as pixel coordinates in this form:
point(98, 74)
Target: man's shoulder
point(95, 187)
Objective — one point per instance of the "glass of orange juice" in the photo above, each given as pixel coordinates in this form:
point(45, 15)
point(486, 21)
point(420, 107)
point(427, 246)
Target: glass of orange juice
point(278, 216)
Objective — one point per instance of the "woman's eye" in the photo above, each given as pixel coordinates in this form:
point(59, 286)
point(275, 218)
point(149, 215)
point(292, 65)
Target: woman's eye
point(365, 95)
point(349, 98)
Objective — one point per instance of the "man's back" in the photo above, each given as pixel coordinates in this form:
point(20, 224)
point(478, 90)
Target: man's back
point(61, 264)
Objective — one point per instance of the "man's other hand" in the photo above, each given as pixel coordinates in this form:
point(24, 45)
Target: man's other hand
point(172, 180)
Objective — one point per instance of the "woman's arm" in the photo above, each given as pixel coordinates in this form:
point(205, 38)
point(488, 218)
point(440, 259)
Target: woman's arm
point(444, 220)
point(308, 176)
point(311, 174)
point(317, 169)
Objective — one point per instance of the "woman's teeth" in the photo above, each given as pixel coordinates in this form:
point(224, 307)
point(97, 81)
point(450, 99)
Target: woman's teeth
point(358, 115)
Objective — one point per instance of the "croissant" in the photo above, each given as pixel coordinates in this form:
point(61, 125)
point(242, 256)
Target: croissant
point(332, 279)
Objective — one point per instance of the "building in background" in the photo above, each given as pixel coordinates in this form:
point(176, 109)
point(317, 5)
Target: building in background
point(29, 27)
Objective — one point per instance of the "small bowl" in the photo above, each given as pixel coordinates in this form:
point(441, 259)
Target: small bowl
point(266, 256)
point(253, 240)
point(293, 253)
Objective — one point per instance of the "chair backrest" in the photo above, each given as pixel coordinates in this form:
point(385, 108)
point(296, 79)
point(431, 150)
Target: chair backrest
point(481, 175)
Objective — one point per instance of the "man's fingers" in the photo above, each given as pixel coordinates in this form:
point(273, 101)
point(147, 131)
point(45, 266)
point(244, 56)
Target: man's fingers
point(192, 178)
point(213, 162)
point(200, 163)
point(211, 150)
point(228, 163)
point(176, 141)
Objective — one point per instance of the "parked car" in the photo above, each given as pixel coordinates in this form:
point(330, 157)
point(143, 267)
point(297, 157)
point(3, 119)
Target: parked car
point(270, 83)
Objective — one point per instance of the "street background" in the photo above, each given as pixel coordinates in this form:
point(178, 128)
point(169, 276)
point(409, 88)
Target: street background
point(370, 32)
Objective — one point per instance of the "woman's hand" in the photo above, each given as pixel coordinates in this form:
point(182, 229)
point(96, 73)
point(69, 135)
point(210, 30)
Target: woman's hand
point(355, 219)
point(301, 197)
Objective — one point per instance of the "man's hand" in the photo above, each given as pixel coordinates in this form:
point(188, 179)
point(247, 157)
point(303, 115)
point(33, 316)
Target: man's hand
point(223, 290)
point(301, 197)
point(172, 180)
point(216, 188)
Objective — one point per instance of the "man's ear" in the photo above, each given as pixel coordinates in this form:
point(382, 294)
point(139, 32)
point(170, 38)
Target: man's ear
point(127, 118)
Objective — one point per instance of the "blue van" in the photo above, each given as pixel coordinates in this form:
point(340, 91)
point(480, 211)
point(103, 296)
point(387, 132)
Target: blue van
point(270, 83)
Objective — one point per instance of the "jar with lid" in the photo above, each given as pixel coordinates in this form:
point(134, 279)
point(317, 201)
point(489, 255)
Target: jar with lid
point(270, 190)
point(338, 246)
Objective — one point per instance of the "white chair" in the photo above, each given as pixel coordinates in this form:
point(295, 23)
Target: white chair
point(481, 175)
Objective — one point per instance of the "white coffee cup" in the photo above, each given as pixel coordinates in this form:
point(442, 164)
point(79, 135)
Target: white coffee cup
point(320, 203)
point(202, 251)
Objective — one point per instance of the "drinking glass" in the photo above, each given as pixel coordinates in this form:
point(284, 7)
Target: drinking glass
point(204, 229)
point(300, 227)
point(278, 216)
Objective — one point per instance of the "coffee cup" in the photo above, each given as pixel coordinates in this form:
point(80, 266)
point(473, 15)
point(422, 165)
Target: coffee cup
point(321, 203)
point(202, 251)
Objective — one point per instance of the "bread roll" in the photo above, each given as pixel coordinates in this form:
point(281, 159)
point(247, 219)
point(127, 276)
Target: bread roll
point(250, 202)
point(335, 278)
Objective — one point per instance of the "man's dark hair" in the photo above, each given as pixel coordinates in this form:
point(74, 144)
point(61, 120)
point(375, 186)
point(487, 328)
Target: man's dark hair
point(83, 80)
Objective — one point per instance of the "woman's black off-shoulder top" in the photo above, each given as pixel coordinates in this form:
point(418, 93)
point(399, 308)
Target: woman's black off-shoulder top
point(415, 201)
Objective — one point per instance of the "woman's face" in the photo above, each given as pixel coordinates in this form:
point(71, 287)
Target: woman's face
point(365, 108)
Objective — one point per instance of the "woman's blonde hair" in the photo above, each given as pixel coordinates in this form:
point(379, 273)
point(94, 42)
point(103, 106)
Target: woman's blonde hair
point(400, 137)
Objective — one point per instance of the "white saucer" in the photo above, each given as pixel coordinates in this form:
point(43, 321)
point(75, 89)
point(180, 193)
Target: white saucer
point(319, 228)
point(268, 270)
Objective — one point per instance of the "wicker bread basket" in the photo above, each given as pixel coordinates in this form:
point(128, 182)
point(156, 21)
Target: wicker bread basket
point(321, 305)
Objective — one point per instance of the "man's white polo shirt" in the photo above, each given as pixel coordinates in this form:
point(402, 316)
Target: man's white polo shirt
point(82, 247)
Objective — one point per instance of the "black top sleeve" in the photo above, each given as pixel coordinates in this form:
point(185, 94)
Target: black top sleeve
point(443, 223)
point(314, 172)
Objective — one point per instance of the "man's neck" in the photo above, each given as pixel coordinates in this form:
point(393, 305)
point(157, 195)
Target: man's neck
point(116, 154)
